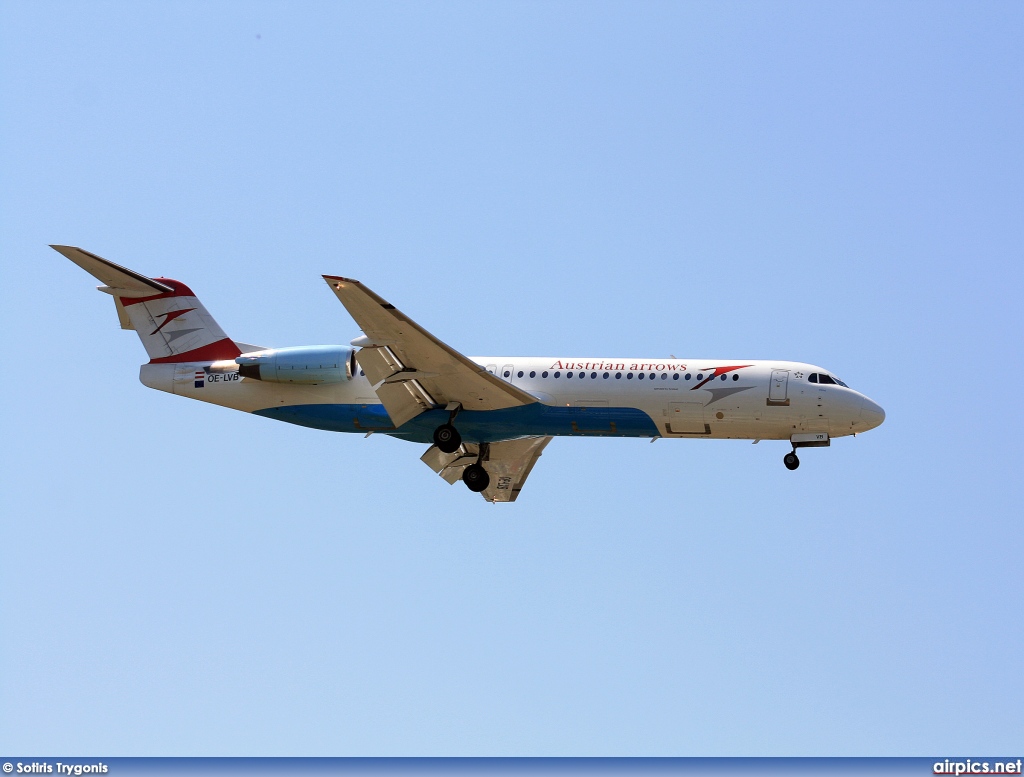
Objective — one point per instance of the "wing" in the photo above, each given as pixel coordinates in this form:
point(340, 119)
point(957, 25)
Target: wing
point(415, 370)
point(508, 464)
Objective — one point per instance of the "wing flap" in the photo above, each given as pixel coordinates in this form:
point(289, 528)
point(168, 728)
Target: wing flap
point(450, 465)
point(378, 363)
point(403, 401)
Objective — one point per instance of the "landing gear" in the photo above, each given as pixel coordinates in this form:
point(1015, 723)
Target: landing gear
point(791, 461)
point(447, 438)
point(476, 478)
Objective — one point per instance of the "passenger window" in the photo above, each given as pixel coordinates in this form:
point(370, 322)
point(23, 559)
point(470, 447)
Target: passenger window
point(813, 378)
point(724, 377)
point(606, 376)
point(735, 376)
point(629, 376)
point(593, 375)
point(533, 374)
point(823, 378)
point(361, 373)
point(508, 374)
point(676, 376)
point(618, 375)
point(544, 374)
point(568, 374)
point(558, 374)
point(687, 376)
point(664, 376)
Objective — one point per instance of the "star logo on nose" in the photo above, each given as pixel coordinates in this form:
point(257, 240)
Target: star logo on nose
point(169, 317)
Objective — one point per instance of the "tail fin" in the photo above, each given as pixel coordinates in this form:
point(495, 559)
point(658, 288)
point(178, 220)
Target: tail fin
point(171, 322)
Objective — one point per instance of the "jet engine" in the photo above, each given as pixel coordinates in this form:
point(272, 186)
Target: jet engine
point(308, 365)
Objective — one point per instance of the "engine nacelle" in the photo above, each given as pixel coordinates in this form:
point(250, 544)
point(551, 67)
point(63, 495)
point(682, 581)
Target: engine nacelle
point(305, 364)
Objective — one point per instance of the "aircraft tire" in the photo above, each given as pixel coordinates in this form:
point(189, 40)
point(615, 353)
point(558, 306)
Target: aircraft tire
point(791, 461)
point(476, 478)
point(447, 438)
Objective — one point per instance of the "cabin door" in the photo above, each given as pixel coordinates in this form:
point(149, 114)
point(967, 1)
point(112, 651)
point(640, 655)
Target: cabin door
point(779, 387)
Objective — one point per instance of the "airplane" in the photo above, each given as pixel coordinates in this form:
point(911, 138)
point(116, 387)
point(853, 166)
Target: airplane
point(487, 419)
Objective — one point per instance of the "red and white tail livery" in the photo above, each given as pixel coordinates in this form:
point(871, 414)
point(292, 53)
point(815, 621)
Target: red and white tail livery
point(168, 317)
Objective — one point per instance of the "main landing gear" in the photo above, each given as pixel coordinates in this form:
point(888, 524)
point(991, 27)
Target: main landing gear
point(446, 436)
point(790, 460)
point(448, 440)
point(476, 478)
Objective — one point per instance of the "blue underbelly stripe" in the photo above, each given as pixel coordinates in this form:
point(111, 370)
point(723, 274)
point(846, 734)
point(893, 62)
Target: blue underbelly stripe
point(475, 425)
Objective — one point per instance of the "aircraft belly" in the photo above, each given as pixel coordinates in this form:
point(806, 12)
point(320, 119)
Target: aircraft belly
point(537, 420)
point(333, 417)
point(475, 426)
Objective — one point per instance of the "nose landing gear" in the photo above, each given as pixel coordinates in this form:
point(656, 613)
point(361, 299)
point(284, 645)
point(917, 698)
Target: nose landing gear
point(790, 460)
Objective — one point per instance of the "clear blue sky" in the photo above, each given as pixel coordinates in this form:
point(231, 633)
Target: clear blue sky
point(836, 183)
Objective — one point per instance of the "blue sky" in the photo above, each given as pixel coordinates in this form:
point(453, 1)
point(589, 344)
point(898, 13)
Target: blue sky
point(836, 183)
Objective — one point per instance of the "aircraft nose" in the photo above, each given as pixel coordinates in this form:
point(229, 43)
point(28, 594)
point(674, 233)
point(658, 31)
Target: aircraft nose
point(871, 413)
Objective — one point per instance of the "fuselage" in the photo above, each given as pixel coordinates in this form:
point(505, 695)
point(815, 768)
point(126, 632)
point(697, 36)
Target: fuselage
point(583, 397)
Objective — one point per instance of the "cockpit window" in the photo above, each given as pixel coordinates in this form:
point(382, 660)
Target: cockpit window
point(840, 382)
point(827, 379)
point(813, 378)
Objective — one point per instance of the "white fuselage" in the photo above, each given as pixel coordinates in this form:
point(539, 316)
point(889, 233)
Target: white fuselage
point(735, 399)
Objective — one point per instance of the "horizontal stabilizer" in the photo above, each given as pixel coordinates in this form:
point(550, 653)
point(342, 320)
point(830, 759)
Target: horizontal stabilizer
point(120, 281)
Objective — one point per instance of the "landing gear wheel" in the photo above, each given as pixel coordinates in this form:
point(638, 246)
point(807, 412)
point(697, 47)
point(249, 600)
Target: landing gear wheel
point(447, 438)
point(476, 478)
point(791, 461)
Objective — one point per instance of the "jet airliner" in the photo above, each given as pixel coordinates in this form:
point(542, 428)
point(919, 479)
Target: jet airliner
point(486, 419)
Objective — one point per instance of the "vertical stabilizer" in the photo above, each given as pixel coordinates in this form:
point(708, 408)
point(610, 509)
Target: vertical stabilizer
point(172, 323)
